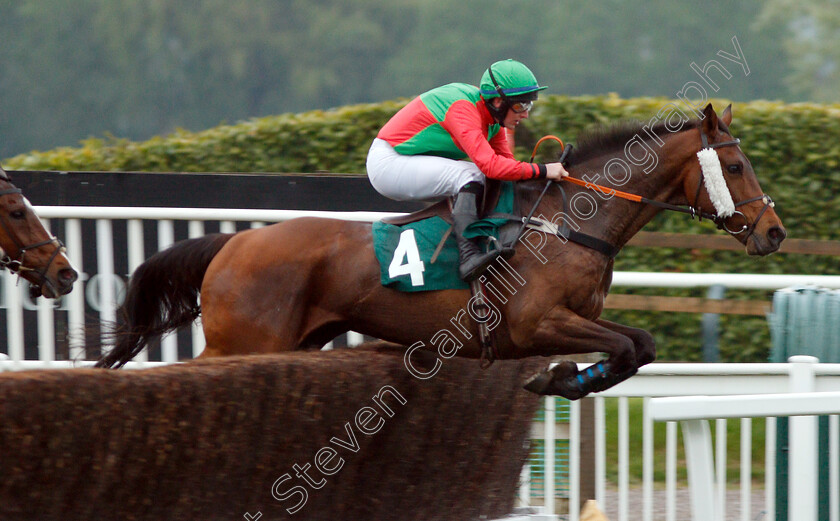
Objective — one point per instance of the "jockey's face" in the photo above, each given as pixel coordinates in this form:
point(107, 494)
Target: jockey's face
point(512, 118)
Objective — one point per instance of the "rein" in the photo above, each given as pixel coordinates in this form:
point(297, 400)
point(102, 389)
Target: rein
point(563, 231)
point(692, 210)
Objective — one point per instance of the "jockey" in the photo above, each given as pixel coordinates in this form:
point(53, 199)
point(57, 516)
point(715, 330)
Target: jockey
point(445, 143)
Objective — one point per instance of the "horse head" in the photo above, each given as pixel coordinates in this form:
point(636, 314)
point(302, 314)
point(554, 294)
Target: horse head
point(28, 249)
point(723, 185)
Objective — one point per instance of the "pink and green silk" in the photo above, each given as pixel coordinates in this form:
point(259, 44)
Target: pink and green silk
point(451, 121)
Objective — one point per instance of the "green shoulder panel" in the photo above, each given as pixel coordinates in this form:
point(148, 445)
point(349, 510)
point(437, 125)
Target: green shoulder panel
point(440, 99)
point(431, 141)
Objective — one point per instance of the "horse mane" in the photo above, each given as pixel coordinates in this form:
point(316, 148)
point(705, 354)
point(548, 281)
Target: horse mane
point(601, 139)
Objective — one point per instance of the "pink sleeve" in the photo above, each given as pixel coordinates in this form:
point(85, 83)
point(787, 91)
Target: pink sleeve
point(502, 143)
point(494, 158)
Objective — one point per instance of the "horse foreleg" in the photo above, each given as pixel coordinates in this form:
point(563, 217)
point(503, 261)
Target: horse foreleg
point(564, 379)
point(628, 348)
point(643, 344)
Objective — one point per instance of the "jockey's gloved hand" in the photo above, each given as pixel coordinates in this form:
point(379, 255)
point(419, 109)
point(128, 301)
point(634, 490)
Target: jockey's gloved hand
point(555, 171)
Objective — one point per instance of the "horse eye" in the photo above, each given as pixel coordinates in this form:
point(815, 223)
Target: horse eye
point(18, 214)
point(735, 168)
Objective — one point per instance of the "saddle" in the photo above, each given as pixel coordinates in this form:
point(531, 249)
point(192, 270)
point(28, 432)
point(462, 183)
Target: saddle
point(443, 208)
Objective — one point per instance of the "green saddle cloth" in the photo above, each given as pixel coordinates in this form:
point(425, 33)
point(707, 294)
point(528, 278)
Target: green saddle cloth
point(405, 252)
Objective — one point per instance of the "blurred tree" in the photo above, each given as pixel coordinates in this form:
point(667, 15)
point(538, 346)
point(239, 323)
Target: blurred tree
point(630, 48)
point(44, 55)
point(811, 43)
point(637, 49)
point(70, 69)
point(341, 48)
point(137, 68)
point(457, 41)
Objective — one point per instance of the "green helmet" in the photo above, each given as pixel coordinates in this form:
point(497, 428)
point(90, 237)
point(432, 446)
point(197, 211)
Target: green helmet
point(509, 78)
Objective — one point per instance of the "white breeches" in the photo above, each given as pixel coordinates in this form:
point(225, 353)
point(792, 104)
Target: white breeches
point(417, 178)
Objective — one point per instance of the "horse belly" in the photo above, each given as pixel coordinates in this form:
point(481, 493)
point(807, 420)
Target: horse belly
point(271, 288)
point(431, 318)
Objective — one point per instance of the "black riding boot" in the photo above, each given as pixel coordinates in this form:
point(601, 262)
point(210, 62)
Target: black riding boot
point(464, 213)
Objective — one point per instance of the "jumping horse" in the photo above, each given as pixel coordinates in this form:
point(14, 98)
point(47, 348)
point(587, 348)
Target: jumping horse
point(28, 249)
point(297, 284)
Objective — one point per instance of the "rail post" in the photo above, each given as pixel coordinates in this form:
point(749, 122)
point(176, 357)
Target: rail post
point(803, 468)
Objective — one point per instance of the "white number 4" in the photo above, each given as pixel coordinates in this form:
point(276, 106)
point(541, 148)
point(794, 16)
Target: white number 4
point(407, 249)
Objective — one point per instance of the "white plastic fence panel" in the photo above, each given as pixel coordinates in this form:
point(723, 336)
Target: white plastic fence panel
point(136, 256)
point(548, 480)
point(196, 229)
point(76, 298)
point(105, 277)
point(168, 342)
point(14, 317)
point(46, 322)
point(801, 403)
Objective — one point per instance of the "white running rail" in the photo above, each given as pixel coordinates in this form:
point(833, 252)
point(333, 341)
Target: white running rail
point(802, 403)
point(102, 290)
point(670, 383)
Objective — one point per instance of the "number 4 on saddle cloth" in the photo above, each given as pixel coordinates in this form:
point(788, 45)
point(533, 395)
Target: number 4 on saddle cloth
point(412, 258)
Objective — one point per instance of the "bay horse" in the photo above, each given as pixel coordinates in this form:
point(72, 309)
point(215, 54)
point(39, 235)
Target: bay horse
point(28, 249)
point(297, 284)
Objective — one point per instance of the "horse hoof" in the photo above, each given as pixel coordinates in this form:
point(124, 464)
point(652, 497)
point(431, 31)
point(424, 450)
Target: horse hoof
point(570, 389)
point(539, 383)
point(560, 380)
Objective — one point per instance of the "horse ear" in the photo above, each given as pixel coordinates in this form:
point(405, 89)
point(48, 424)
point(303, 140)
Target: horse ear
point(710, 120)
point(726, 117)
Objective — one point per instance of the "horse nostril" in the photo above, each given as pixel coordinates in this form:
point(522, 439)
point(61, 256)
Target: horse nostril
point(776, 234)
point(68, 275)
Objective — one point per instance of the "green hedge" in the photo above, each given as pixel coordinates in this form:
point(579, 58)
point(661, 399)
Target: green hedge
point(318, 141)
point(794, 148)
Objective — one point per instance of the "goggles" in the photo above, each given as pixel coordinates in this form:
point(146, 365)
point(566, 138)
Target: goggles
point(521, 106)
point(517, 106)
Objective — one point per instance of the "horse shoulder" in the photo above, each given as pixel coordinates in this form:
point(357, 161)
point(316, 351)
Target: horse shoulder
point(587, 281)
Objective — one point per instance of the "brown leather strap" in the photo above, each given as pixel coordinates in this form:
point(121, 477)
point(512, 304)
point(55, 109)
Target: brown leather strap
point(486, 336)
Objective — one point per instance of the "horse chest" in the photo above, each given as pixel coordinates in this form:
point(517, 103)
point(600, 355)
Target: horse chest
point(585, 300)
point(584, 284)
point(589, 307)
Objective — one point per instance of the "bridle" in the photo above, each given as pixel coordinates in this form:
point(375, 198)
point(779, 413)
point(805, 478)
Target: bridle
point(691, 209)
point(721, 221)
point(18, 265)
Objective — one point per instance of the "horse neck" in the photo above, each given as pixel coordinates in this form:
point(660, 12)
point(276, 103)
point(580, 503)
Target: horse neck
point(614, 219)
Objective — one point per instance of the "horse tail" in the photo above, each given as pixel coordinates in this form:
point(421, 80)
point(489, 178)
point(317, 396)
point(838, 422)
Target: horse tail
point(162, 296)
